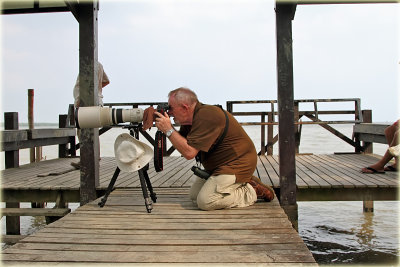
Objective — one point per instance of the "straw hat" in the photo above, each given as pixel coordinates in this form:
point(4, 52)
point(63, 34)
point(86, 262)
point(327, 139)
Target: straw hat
point(131, 154)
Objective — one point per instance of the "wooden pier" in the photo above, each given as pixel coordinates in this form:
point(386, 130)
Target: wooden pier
point(319, 177)
point(176, 231)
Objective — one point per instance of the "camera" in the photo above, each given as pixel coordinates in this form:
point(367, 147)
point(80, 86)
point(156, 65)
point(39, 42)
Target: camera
point(162, 107)
point(95, 116)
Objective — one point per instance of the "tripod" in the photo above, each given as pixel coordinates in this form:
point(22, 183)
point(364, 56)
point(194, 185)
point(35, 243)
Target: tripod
point(143, 177)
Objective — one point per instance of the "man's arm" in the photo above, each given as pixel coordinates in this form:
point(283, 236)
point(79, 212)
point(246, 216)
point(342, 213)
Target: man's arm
point(163, 123)
point(180, 143)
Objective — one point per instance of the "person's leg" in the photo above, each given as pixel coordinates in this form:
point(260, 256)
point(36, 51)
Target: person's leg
point(195, 188)
point(395, 141)
point(391, 134)
point(221, 192)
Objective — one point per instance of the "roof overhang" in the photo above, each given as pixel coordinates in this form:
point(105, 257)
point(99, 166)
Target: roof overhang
point(36, 6)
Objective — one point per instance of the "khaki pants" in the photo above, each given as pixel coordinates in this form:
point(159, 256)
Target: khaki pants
point(221, 192)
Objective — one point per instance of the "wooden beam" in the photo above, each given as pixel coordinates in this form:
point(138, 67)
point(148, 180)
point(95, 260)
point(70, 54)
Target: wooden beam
point(287, 147)
point(88, 91)
point(330, 2)
point(33, 10)
point(72, 6)
point(287, 165)
point(38, 195)
point(12, 239)
point(59, 212)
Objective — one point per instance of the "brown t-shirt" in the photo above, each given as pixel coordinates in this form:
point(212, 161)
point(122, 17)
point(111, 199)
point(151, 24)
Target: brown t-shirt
point(236, 154)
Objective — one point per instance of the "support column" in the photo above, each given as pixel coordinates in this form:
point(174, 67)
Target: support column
point(88, 82)
point(367, 118)
point(12, 161)
point(287, 147)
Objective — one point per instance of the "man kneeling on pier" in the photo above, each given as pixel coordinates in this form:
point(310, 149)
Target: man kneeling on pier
point(222, 146)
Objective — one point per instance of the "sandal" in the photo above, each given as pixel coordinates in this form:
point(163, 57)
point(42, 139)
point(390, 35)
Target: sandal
point(370, 170)
point(390, 168)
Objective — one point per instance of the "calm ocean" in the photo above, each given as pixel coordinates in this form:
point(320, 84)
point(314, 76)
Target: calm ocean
point(335, 232)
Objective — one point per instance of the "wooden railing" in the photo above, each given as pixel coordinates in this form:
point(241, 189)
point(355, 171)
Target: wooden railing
point(267, 118)
point(13, 139)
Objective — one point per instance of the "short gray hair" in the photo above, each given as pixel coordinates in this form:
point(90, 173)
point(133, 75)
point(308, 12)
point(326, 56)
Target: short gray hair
point(184, 95)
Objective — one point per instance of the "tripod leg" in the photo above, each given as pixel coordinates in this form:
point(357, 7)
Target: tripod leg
point(147, 200)
point(148, 183)
point(109, 188)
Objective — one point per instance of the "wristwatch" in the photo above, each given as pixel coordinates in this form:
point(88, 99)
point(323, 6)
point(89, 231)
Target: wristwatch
point(169, 132)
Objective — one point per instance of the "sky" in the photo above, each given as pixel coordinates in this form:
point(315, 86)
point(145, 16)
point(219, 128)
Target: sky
point(223, 50)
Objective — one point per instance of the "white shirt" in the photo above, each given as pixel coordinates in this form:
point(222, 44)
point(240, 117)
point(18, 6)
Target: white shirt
point(102, 78)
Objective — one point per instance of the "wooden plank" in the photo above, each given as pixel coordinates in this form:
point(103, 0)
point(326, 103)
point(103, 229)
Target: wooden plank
point(372, 138)
point(370, 128)
point(300, 183)
point(14, 135)
point(195, 256)
point(324, 180)
point(275, 248)
point(351, 171)
point(266, 172)
point(183, 170)
point(59, 212)
point(360, 161)
point(172, 233)
point(11, 239)
point(338, 176)
point(8, 146)
point(272, 168)
point(51, 133)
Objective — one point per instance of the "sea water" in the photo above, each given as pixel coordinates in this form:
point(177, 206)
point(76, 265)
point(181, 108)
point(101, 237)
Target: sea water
point(336, 232)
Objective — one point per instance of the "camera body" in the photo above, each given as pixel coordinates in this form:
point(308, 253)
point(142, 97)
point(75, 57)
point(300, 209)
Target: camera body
point(162, 107)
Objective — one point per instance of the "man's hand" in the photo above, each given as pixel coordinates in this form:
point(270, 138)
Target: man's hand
point(163, 122)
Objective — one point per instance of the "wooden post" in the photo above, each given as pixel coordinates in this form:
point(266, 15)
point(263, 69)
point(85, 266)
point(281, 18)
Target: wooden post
point(287, 162)
point(367, 117)
point(262, 134)
point(35, 152)
point(297, 131)
point(12, 161)
point(270, 134)
point(368, 204)
point(62, 149)
point(88, 91)
point(31, 124)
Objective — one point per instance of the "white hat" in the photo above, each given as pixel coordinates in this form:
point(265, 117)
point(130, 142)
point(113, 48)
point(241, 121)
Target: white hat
point(131, 154)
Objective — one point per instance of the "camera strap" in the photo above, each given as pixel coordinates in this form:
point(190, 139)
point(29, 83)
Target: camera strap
point(159, 151)
point(198, 158)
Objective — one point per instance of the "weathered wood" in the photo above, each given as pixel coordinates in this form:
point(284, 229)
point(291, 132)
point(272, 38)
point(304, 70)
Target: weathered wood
point(287, 165)
point(10, 146)
point(258, 234)
point(370, 128)
point(13, 136)
point(51, 133)
point(369, 133)
point(88, 96)
point(34, 212)
point(11, 239)
point(11, 123)
point(12, 161)
point(31, 123)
